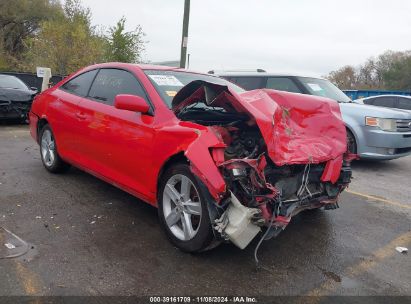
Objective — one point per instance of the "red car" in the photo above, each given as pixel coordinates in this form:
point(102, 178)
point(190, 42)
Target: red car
point(218, 162)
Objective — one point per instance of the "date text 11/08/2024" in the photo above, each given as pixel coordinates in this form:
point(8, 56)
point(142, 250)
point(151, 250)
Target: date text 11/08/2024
point(205, 299)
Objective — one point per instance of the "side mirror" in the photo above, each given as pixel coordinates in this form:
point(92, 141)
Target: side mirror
point(131, 103)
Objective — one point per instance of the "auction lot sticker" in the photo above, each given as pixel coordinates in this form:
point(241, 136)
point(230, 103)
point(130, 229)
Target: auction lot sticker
point(166, 80)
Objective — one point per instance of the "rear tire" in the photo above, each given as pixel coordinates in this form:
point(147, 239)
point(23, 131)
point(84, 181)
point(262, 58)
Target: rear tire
point(182, 209)
point(48, 152)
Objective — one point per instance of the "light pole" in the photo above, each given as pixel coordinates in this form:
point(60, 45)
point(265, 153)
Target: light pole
point(184, 39)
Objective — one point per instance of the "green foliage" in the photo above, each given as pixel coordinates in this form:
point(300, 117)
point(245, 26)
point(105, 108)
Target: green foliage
point(124, 46)
point(398, 75)
point(60, 36)
point(66, 43)
point(390, 70)
point(19, 20)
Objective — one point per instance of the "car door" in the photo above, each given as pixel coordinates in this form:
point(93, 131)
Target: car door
point(116, 144)
point(63, 111)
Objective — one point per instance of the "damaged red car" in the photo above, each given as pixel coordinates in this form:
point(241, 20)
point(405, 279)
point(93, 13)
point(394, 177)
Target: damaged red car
point(218, 162)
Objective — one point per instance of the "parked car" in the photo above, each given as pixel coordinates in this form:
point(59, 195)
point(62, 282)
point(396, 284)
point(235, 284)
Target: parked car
point(372, 132)
point(218, 162)
point(15, 98)
point(388, 101)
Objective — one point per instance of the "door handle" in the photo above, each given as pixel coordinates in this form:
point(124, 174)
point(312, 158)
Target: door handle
point(81, 116)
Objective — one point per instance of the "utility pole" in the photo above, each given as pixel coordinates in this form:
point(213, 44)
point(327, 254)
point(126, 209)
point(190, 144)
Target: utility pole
point(184, 39)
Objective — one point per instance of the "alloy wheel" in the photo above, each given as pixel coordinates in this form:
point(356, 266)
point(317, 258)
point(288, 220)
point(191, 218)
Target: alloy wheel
point(182, 207)
point(48, 146)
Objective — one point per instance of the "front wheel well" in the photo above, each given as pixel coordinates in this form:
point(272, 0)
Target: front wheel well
point(175, 159)
point(40, 124)
point(352, 145)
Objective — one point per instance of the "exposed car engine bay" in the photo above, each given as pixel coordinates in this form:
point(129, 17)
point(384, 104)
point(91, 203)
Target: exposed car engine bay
point(259, 192)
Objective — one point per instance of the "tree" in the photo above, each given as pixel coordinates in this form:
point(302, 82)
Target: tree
point(19, 20)
point(344, 77)
point(398, 75)
point(390, 70)
point(124, 46)
point(67, 42)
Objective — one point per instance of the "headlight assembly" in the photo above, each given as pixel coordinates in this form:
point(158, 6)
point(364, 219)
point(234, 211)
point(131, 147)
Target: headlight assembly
point(386, 124)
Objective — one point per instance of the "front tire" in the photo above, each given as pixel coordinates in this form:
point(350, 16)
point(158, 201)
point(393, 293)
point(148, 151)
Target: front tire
point(48, 152)
point(182, 209)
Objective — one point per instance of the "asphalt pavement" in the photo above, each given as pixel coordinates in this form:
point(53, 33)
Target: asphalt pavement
point(86, 237)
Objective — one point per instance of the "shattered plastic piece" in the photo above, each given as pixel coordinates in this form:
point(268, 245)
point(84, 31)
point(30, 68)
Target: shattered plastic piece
point(9, 245)
point(15, 245)
point(239, 228)
point(38, 217)
point(92, 222)
point(401, 249)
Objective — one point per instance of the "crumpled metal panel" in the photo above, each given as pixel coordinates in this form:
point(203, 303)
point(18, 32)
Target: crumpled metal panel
point(297, 129)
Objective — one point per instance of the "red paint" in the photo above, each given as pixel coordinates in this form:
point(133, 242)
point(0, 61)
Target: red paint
point(332, 170)
point(296, 129)
point(129, 149)
point(131, 103)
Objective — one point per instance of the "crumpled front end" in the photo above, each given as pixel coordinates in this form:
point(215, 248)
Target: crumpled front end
point(14, 104)
point(274, 155)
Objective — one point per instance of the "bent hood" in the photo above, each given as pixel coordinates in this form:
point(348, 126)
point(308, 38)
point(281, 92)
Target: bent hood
point(297, 129)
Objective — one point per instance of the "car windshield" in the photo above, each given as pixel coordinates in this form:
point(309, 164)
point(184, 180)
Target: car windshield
point(11, 82)
point(168, 83)
point(324, 88)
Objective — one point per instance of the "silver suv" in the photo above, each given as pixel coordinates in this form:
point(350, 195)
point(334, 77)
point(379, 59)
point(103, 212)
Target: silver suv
point(373, 132)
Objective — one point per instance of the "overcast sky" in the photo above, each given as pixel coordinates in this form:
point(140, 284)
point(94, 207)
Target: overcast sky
point(309, 37)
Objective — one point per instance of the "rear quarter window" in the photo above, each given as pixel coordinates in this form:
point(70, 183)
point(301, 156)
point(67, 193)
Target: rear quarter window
point(404, 103)
point(80, 85)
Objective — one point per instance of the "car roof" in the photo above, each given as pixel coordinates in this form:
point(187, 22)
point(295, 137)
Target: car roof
point(138, 66)
point(386, 95)
point(7, 75)
point(260, 74)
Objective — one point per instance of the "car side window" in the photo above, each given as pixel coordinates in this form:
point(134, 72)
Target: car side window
point(404, 103)
point(80, 84)
point(111, 82)
point(250, 83)
point(282, 84)
point(229, 78)
point(369, 101)
point(388, 102)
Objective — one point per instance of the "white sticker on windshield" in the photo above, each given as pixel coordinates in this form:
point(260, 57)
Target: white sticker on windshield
point(166, 80)
point(315, 87)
